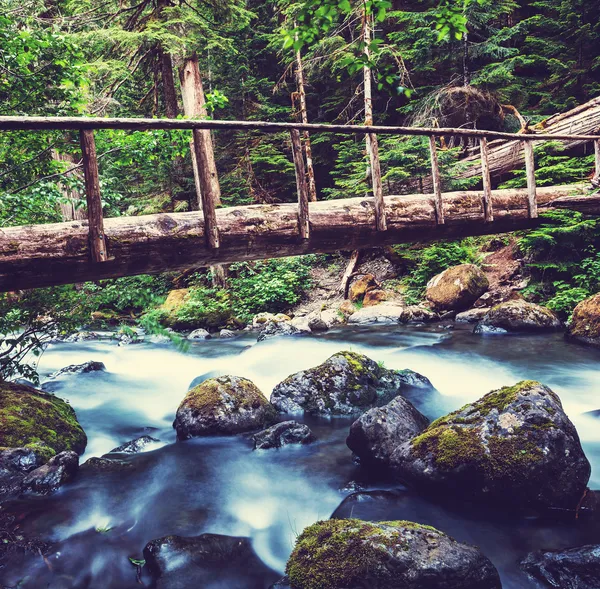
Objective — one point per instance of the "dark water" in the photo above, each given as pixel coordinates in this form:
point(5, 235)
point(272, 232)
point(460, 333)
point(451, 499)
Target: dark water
point(220, 485)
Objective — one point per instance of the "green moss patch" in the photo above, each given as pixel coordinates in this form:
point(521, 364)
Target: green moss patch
point(33, 419)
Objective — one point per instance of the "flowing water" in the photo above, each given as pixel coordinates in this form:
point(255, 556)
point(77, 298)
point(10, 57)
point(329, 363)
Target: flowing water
point(220, 485)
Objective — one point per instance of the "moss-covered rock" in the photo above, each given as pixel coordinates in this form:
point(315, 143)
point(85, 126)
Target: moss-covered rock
point(344, 553)
point(515, 446)
point(374, 436)
point(456, 288)
point(345, 384)
point(38, 421)
point(224, 405)
point(519, 316)
point(584, 326)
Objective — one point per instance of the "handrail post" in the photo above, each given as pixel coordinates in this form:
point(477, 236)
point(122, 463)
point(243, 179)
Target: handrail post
point(207, 192)
point(301, 185)
point(531, 186)
point(488, 211)
point(597, 159)
point(437, 182)
point(97, 239)
point(373, 149)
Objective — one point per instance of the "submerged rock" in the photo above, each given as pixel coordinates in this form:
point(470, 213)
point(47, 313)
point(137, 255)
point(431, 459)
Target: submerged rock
point(282, 434)
point(96, 464)
point(222, 405)
point(456, 288)
point(574, 568)
point(226, 333)
point(345, 384)
point(584, 326)
point(518, 316)
point(361, 499)
point(56, 472)
point(91, 366)
point(515, 446)
point(375, 435)
point(179, 562)
point(38, 421)
point(134, 446)
point(348, 553)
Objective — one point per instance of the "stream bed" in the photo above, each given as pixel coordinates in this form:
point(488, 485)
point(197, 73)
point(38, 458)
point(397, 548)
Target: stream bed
point(220, 485)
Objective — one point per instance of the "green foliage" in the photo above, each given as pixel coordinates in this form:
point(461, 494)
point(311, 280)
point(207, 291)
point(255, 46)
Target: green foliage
point(432, 260)
point(209, 308)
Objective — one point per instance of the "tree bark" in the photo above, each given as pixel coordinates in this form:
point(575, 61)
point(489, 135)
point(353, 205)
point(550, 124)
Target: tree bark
point(44, 255)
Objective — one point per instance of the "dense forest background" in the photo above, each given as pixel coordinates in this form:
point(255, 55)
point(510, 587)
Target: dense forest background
point(475, 63)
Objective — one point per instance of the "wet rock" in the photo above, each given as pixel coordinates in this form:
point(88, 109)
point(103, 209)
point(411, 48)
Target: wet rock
point(375, 435)
point(359, 287)
point(134, 446)
point(224, 405)
point(283, 583)
point(83, 336)
point(179, 562)
point(498, 295)
point(481, 329)
point(38, 421)
point(15, 463)
point(345, 384)
point(574, 568)
point(594, 413)
point(584, 326)
point(96, 464)
point(519, 316)
point(316, 323)
point(226, 334)
point(395, 555)
point(275, 329)
point(56, 472)
point(91, 366)
point(199, 334)
point(386, 313)
point(515, 446)
point(365, 499)
point(471, 316)
point(456, 288)
point(282, 434)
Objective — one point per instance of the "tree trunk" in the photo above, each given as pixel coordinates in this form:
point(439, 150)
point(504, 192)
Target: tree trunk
point(310, 172)
point(44, 255)
point(194, 107)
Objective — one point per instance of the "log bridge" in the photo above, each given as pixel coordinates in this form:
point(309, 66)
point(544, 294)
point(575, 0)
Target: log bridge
point(98, 248)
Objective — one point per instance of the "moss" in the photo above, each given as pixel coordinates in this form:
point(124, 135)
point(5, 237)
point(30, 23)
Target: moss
point(344, 553)
point(450, 446)
point(36, 420)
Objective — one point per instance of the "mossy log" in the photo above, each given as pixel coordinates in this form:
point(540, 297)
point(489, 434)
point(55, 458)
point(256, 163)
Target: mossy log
point(44, 255)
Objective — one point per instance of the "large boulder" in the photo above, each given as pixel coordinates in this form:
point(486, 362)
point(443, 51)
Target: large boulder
point(345, 553)
point(208, 560)
point(223, 405)
point(282, 434)
point(584, 326)
point(375, 435)
point(60, 469)
point(38, 421)
point(347, 383)
point(574, 568)
point(515, 446)
point(456, 288)
point(519, 316)
point(361, 286)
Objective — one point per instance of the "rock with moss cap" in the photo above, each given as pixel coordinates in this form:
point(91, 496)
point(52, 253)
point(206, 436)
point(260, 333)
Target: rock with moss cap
point(38, 421)
point(456, 288)
point(515, 446)
point(344, 553)
point(584, 326)
point(223, 405)
point(375, 435)
point(519, 316)
point(345, 384)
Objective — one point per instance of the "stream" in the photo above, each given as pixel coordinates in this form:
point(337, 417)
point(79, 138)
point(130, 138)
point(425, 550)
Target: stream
point(220, 485)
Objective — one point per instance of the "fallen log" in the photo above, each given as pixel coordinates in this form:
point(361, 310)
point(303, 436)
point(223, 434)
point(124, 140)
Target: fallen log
point(43, 255)
point(505, 156)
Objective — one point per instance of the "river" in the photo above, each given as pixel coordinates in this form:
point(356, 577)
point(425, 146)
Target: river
point(221, 485)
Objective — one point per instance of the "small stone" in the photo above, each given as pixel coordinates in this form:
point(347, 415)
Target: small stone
point(199, 334)
point(282, 434)
point(226, 334)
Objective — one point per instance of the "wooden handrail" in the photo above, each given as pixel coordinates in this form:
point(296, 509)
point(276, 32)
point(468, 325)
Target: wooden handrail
point(12, 123)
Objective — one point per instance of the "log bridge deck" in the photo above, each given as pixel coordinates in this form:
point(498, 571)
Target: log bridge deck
point(61, 253)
